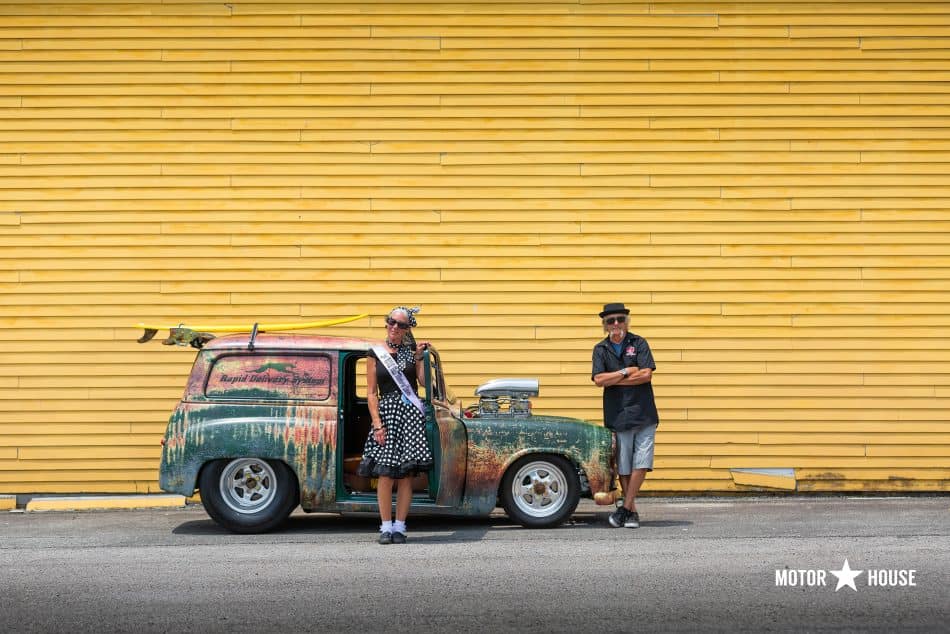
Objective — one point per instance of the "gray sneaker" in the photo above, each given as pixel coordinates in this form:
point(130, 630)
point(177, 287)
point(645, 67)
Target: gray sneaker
point(632, 520)
point(618, 517)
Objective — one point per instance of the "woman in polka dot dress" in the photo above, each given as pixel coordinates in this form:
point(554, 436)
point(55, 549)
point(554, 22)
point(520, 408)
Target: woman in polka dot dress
point(396, 449)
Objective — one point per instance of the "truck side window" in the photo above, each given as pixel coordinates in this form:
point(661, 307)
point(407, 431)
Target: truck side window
point(281, 377)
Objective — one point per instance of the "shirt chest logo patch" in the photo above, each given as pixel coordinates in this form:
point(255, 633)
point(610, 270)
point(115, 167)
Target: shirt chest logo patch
point(630, 351)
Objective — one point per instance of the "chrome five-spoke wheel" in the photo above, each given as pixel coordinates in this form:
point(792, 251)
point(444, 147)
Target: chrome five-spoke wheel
point(248, 495)
point(540, 491)
point(247, 485)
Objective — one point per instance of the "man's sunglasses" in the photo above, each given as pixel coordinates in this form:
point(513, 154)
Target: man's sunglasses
point(398, 324)
point(610, 321)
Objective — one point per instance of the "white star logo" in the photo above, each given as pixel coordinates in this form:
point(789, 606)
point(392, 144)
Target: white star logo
point(846, 576)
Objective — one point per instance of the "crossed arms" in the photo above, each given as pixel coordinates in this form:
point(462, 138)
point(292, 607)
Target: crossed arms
point(636, 377)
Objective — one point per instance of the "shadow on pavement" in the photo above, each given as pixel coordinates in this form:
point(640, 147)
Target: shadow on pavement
point(455, 529)
point(340, 525)
point(663, 523)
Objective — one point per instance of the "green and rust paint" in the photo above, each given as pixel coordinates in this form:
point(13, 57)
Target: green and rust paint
point(281, 401)
point(496, 442)
point(303, 437)
point(278, 403)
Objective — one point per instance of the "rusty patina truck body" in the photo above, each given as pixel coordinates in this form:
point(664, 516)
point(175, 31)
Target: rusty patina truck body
point(279, 420)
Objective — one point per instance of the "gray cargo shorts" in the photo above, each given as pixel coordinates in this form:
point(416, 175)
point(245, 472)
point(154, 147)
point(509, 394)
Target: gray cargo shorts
point(635, 449)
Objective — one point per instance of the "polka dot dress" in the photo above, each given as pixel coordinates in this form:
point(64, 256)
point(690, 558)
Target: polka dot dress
point(406, 451)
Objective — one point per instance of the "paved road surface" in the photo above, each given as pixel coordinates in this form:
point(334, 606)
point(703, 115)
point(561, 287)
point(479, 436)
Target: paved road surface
point(696, 564)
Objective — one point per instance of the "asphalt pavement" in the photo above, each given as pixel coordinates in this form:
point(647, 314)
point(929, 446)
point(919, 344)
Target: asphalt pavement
point(696, 564)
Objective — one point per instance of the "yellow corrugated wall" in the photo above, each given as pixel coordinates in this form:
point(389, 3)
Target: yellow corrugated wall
point(766, 183)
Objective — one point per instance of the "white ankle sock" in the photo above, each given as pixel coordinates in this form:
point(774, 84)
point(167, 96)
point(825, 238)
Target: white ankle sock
point(399, 527)
point(386, 527)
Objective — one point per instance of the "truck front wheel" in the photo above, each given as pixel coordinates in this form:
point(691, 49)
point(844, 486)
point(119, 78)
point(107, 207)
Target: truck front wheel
point(540, 491)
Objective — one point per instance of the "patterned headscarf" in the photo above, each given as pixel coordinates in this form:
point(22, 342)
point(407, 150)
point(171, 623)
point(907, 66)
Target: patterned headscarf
point(410, 313)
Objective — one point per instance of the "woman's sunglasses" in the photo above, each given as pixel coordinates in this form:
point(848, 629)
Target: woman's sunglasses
point(610, 321)
point(398, 324)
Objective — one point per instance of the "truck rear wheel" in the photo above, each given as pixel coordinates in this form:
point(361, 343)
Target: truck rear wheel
point(248, 495)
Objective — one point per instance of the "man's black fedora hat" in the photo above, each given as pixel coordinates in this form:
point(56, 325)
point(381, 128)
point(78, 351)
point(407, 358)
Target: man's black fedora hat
point(613, 309)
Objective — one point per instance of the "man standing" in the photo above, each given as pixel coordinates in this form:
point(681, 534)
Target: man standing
point(623, 365)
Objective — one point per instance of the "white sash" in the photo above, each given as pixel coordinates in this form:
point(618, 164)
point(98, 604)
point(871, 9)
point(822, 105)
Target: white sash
point(383, 356)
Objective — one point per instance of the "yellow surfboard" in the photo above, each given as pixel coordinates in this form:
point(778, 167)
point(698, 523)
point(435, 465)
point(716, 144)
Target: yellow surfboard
point(185, 334)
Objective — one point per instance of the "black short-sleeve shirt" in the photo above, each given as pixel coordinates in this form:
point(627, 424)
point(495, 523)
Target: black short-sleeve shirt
point(384, 381)
point(627, 406)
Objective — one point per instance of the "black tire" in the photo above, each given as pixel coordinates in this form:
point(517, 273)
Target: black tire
point(540, 491)
point(248, 495)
